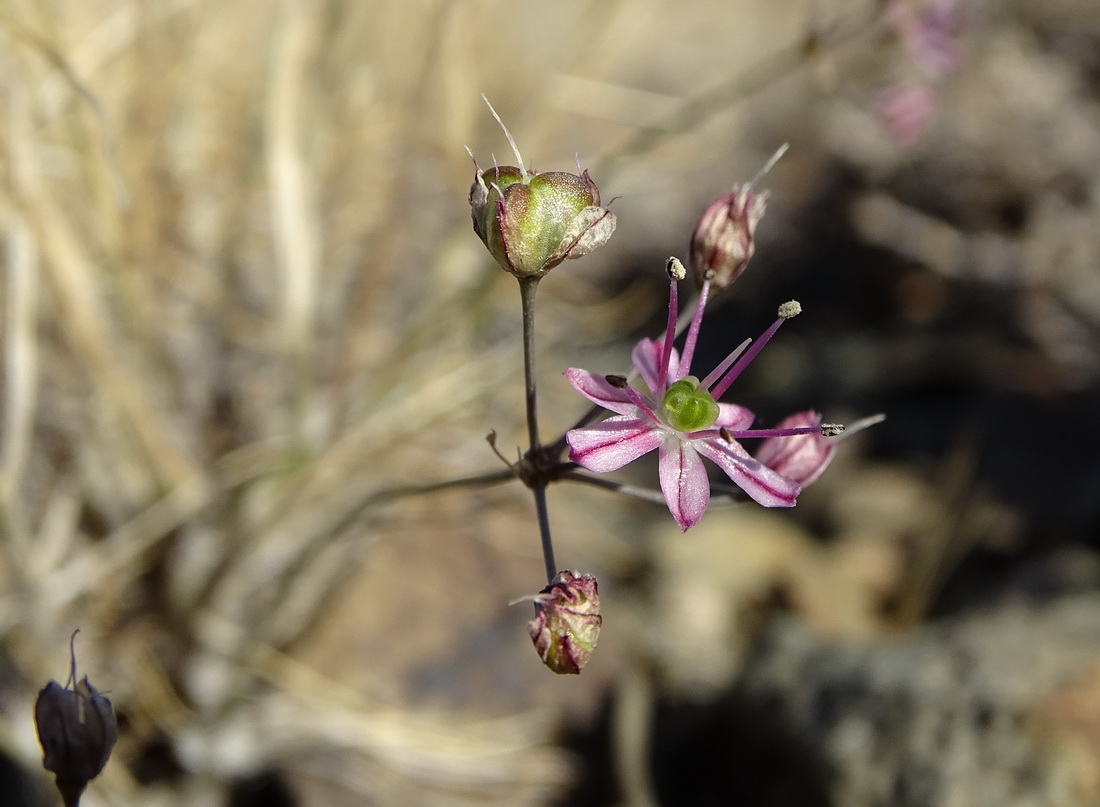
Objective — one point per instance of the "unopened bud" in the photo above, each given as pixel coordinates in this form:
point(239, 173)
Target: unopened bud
point(722, 241)
point(801, 457)
point(77, 730)
point(567, 622)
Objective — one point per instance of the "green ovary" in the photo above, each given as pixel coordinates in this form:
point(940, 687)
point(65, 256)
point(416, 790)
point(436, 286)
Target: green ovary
point(688, 408)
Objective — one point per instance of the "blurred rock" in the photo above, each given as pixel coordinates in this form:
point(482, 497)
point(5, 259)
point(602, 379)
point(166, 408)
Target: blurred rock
point(1001, 708)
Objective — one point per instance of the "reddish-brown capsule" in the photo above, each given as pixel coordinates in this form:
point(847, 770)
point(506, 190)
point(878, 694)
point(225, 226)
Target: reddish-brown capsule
point(567, 622)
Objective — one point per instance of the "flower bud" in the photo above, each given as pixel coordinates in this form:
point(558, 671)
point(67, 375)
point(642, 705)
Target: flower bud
point(531, 222)
point(802, 457)
point(722, 241)
point(567, 622)
point(77, 730)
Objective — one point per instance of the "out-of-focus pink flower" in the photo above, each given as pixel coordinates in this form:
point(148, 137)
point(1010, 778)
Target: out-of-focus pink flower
point(905, 109)
point(682, 420)
point(929, 30)
point(567, 622)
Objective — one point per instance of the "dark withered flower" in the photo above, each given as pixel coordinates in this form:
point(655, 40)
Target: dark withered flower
point(77, 730)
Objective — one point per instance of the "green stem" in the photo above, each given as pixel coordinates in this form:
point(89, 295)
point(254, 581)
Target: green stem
point(527, 288)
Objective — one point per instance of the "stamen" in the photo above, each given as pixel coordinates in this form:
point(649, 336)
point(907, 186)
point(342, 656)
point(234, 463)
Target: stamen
point(786, 311)
point(790, 309)
point(670, 332)
point(832, 429)
point(791, 432)
point(617, 381)
point(641, 402)
point(716, 373)
point(693, 330)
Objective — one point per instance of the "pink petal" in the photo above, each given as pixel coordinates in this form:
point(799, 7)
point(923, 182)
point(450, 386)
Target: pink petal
point(761, 483)
point(597, 389)
point(733, 417)
point(613, 443)
point(684, 482)
point(647, 360)
point(803, 457)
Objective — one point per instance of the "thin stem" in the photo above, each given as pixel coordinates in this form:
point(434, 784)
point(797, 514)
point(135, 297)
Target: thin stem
point(485, 479)
point(527, 288)
point(645, 494)
point(539, 492)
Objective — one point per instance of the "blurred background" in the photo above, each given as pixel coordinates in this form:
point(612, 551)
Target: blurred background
point(242, 300)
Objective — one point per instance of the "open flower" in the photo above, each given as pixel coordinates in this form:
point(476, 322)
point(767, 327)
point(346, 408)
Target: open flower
point(682, 419)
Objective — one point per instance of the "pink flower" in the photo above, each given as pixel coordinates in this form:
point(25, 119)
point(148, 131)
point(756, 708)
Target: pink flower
point(682, 420)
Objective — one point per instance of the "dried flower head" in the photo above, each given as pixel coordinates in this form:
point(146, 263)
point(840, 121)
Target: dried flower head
point(77, 730)
point(567, 622)
point(531, 222)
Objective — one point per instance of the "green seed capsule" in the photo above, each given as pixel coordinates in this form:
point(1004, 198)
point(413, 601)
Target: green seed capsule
point(688, 408)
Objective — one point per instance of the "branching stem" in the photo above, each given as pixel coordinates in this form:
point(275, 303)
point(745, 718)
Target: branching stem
point(527, 288)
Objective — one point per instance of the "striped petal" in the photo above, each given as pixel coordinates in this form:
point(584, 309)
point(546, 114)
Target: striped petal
point(684, 482)
point(761, 483)
point(610, 445)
